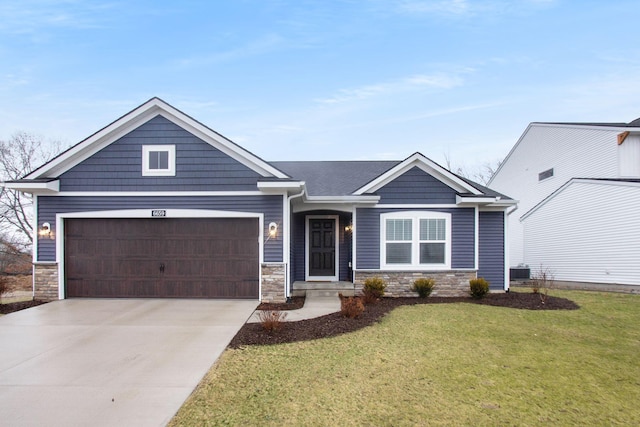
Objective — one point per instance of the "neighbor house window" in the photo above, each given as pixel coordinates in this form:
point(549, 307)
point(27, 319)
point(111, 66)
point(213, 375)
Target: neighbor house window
point(158, 160)
point(419, 239)
point(546, 174)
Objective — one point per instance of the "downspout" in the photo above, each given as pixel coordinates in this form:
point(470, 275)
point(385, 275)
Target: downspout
point(288, 243)
point(507, 271)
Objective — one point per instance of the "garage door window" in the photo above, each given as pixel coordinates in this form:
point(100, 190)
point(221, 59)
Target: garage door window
point(158, 160)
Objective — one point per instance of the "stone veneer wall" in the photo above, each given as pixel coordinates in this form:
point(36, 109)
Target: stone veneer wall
point(451, 283)
point(273, 283)
point(45, 281)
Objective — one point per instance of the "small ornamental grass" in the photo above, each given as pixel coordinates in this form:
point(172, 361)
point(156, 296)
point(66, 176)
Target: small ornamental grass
point(423, 286)
point(373, 290)
point(478, 287)
point(351, 307)
point(272, 320)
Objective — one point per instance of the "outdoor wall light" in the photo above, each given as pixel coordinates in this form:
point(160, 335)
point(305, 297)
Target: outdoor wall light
point(273, 229)
point(45, 230)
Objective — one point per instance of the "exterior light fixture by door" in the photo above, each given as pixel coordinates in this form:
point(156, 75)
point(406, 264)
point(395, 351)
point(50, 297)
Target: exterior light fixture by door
point(273, 229)
point(45, 230)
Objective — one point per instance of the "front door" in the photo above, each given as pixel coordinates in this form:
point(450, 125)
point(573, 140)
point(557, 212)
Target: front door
point(322, 249)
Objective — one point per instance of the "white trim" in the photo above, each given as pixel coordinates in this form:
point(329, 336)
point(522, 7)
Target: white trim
point(354, 247)
point(49, 187)
point(278, 186)
point(138, 117)
point(171, 154)
point(415, 216)
point(35, 229)
point(158, 193)
point(428, 166)
point(298, 208)
point(577, 181)
point(476, 238)
point(505, 243)
point(336, 261)
point(146, 213)
point(415, 206)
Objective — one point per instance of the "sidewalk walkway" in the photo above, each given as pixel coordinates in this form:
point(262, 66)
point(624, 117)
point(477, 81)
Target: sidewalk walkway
point(317, 303)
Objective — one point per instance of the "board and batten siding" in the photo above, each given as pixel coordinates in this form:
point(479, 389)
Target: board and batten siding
point(587, 232)
point(491, 248)
point(270, 206)
point(368, 236)
point(199, 166)
point(571, 151)
point(416, 187)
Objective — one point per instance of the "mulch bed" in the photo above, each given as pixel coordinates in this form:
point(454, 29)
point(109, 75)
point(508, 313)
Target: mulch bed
point(17, 306)
point(336, 324)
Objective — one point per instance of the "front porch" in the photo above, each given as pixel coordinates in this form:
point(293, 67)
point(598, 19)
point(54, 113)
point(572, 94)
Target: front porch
point(300, 288)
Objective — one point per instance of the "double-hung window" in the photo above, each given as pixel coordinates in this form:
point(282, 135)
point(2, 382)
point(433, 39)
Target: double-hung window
point(419, 240)
point(158, 160)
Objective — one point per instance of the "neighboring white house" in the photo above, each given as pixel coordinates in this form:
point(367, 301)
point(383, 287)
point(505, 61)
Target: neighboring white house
point(578, 186)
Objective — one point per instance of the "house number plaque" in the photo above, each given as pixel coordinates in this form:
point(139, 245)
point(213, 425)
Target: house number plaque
point(158, 212)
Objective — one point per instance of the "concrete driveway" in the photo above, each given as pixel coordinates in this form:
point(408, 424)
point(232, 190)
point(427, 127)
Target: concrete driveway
point(129, 362)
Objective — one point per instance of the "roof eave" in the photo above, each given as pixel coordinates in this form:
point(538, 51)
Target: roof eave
point(31, 187)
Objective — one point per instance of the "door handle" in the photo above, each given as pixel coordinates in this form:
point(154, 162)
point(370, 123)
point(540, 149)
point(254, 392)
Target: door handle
point(161, 267)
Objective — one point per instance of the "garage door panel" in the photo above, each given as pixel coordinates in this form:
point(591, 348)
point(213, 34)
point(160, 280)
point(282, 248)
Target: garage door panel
point(195, 258)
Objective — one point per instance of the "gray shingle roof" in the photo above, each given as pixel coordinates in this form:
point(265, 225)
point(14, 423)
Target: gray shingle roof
point(342, 178)
point(334, 178)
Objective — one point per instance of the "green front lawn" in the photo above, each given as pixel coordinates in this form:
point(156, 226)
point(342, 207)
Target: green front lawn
point(441, 364)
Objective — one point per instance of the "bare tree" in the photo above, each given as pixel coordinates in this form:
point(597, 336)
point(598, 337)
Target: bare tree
point(20, 155)
point(481, 173)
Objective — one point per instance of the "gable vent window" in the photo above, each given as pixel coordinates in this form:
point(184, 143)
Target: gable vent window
point(546, 174)
point(158, 160)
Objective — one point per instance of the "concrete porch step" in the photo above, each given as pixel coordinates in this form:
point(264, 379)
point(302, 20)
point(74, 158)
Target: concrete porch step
point(322, 289)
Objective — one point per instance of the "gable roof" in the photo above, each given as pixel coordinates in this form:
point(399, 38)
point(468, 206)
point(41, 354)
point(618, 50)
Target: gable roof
point(632, 126)
point(432, 168)
point(139, 116)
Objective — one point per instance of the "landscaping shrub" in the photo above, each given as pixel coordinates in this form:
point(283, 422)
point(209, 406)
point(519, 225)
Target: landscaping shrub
point(272, 320)
point(541, 282)
point(479, 287)
point(4, 285)
point(351, 307)
point(373, 289)
point(423, 286)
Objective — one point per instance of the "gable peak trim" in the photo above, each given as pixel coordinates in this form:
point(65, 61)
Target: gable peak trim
point(427, 165)
point(137, 117)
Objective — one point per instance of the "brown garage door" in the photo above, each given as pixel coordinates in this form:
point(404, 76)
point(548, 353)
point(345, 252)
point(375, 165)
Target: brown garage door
point(162, 257)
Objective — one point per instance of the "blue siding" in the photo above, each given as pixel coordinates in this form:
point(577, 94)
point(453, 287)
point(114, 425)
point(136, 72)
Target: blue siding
point(271, 206)
point(368, 236)
point(298, 248)
point(199, 166)
point(491, 248)
point(416, 186)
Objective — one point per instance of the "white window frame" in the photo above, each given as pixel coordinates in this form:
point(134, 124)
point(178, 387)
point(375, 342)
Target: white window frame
point(170, 171)
point(415, 217)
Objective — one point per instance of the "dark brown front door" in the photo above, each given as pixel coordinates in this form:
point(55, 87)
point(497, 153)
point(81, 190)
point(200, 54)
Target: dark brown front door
point(161, 257)
point(322, 247)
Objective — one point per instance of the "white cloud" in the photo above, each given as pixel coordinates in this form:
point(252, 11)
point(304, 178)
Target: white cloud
point(454, 7)
point(411, 83)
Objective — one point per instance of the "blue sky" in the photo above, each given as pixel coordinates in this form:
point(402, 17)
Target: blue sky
point(311, 80)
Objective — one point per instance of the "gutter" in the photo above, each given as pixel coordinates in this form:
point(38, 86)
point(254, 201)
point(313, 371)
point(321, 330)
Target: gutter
point(287, 275)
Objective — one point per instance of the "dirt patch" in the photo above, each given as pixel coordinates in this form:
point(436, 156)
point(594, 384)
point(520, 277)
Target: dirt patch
point(336, 324)
point(17, 306)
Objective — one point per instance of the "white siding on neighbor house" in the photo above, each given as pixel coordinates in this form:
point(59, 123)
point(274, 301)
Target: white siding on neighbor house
point(629, 157)
point(572, 151)
point(589, 231)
